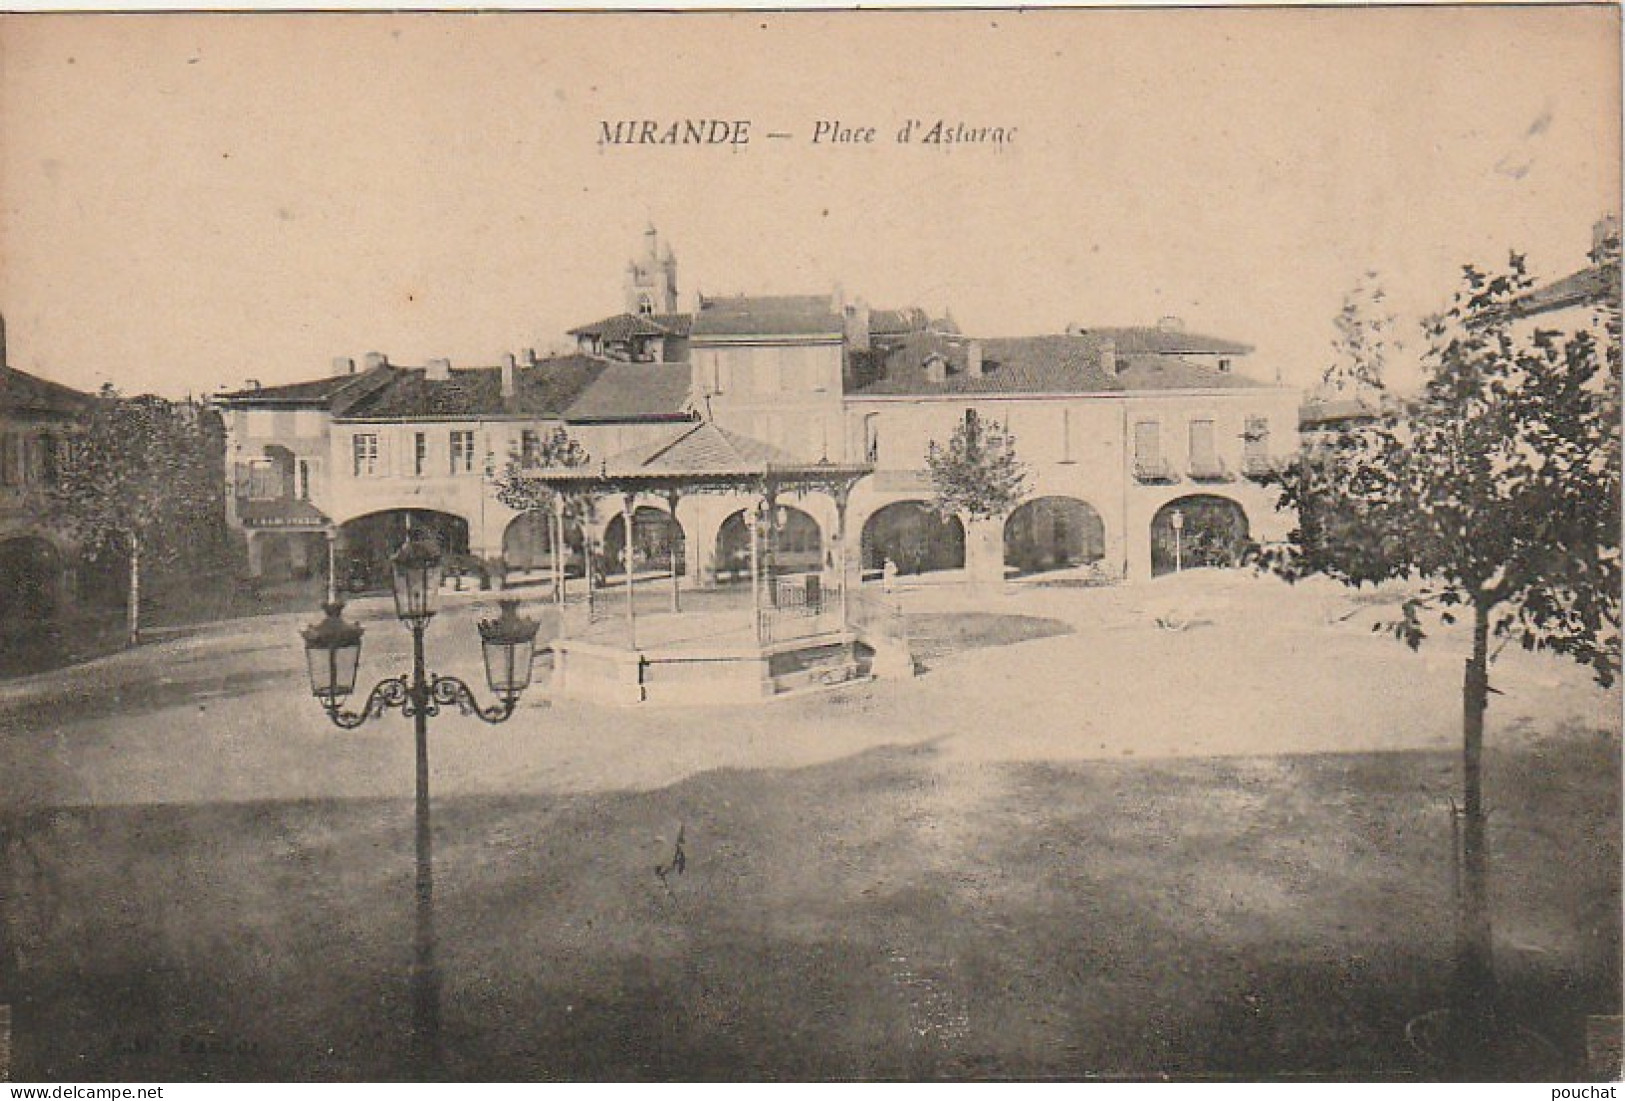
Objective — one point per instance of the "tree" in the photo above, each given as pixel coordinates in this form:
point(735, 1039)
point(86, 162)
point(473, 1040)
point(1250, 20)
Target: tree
point(141, 480)
point(520, 489)
point(1362, 344)
point(977, 473)
point(1497, 495)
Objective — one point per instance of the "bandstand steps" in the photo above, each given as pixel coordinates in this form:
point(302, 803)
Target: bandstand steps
point(819, 667)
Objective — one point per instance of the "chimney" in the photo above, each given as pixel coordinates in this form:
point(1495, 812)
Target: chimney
point(973, 359)
point(437, 370)
point(1108, 358)
point(376, 359)
point(1602, 230)
point(856, 324)
point(936, 368)
point(528, 357)
point(343, 365)
point(507, 376)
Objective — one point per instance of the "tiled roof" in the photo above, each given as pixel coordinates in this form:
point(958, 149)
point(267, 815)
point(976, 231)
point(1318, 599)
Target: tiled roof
point(21, 392)
point(625, 326)
point(1037, 364)
point(701, 448)
point(630, 391)
point(775, 315)
point(1156, 341)
point(319, 391)
point(897, 322)
point(1587, 287)
point(546, 389)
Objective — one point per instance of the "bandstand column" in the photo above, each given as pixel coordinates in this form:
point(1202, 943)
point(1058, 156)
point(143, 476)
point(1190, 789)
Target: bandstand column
point(753, 518)
point(558, 555)
point(842, 566)
point(332, 565)
point(628, 507)
point(674, 532)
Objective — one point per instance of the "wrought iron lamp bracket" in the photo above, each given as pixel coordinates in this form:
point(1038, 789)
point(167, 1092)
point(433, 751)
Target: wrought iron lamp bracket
point(396, 693)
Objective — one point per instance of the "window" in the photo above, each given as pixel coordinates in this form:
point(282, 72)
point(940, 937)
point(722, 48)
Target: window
point(264, 480)
point(1204, 455)
point(1066, 436)
point(462, 451)
point(1149, 465)
point(302, 480)
point(11, 467)
point(1147, 442)
point(530, 447)
point(420, 453)
point(972, 423)
point(646, 305)
point(871, 437)
point(1255, 444)
point(1224, 365)
point(50, 453)
point(365, 450)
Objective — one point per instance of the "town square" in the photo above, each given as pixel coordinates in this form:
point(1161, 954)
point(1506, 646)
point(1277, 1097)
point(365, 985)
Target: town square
point(599, 610)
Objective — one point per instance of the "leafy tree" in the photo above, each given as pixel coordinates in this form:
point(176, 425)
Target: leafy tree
point(977, 473)
point(141, 480)
point(1497, 495)
point(1363, 341)
point(518, 487)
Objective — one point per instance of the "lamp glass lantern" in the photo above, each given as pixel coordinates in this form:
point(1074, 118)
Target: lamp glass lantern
point(509, 644)
point(332, 655)
point(416, 573)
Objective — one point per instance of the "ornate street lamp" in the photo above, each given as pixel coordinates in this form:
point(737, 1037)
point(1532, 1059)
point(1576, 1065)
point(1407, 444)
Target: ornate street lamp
point(1178, 520)
point(333, 657)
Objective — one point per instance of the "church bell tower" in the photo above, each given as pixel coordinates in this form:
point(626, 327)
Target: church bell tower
point(651, 280)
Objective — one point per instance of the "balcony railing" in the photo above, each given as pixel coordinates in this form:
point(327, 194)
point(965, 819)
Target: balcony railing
point(1154, 472)
point(1211, 469)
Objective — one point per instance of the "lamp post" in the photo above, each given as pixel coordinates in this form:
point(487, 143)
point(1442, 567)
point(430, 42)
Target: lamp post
point(333, 656)
point(1178, 520)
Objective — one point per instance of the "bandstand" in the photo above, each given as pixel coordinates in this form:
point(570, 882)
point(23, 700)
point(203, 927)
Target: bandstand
point(797, 631)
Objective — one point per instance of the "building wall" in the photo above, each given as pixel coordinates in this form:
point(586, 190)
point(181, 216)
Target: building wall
point(783, 392)
point(1081, 447)
point(305, 433)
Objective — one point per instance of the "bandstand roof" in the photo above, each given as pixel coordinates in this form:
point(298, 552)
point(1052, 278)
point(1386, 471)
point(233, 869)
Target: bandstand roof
point(703, 457)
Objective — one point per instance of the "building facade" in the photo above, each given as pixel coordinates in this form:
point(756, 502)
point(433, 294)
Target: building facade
point(1143, 445)
point(37, 561)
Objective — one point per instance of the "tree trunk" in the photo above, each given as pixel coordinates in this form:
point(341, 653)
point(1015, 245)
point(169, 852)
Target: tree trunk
point(1472, 1010)
point(132, 617)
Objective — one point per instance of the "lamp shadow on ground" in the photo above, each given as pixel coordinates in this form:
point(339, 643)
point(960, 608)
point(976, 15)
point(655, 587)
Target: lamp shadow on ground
point(890, 914)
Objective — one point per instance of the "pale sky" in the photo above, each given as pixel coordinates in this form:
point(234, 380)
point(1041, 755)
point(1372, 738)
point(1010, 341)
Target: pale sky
point(190, 201)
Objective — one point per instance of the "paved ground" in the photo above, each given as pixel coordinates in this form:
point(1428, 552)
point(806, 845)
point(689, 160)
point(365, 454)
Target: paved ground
point(1122, 849)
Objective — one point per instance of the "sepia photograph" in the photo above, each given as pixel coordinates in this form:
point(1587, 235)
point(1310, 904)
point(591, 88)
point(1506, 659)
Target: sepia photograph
point(983, 545)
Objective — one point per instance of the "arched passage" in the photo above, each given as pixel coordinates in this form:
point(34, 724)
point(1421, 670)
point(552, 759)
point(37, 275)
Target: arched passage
point(366, 543)
point(527, 543)
point(913, 536)
point(1052, 533)
point(652, 536)
point(794, 544)
point(1212, 531)
point(30, 579)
